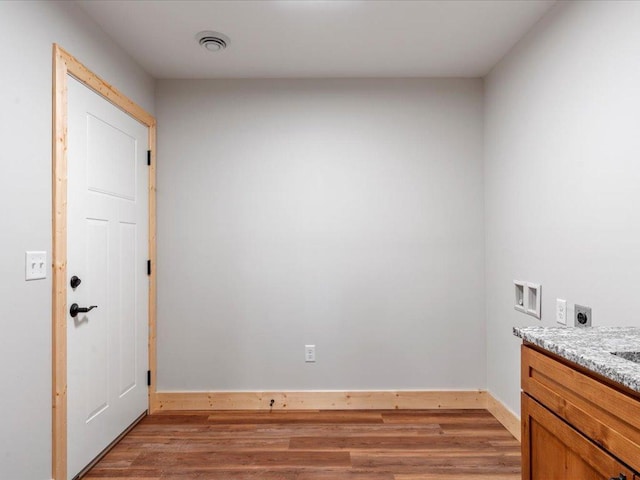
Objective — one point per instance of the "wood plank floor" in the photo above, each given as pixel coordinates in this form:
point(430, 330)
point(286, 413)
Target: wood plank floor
point(315, 445)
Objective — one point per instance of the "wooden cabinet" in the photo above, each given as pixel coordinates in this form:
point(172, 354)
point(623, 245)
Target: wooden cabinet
point(576, 425)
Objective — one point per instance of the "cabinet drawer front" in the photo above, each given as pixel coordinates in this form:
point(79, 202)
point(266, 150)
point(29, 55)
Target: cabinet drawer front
point(608, 417)
point(552, 450)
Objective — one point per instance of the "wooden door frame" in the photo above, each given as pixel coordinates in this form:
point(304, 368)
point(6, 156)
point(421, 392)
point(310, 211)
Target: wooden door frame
point(65, 64)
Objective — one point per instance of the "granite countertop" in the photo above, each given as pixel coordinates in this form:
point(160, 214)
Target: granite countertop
point(591, 347)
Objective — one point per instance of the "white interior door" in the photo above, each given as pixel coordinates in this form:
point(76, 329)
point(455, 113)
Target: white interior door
point(107, 249)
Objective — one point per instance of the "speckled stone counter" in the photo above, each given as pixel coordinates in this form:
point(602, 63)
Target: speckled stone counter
point(591, 348)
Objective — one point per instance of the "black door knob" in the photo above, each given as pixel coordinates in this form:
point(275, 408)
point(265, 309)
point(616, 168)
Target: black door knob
point(75, 281)
point(75, 309)
point(622, 476)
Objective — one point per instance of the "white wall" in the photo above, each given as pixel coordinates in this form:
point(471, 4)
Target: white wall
point(562, 175)
point(27, 30)
point(342, 213)
point(345, 213)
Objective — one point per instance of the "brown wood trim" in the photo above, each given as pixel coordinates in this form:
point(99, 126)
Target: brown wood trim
point(321, 400)
point(65, 64)
point(339, 400)
point(152, 279)
point(59, 267)
point(506, 417)
point(101, 87)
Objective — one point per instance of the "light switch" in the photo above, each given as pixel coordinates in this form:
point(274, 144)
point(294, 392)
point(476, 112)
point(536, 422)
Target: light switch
point(561, 311)
point(35, 265)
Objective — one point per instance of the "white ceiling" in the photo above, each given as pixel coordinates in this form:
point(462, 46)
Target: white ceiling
point(318, 38)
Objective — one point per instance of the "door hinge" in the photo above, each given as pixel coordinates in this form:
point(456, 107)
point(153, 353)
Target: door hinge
point(148, 157)
point(148, 378)
point(148, 267)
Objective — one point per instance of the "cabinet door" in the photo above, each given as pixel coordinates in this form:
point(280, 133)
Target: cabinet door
point(553, 450)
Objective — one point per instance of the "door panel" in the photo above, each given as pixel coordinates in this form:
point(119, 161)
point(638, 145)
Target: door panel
point(111, 159)
point(94, 340)
point(107, 242)
point(128, 335)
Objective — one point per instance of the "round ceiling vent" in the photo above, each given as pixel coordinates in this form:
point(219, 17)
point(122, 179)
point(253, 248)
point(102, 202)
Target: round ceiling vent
point(212, 41)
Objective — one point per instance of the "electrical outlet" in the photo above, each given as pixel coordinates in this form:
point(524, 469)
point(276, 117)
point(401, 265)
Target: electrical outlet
point(561, 311)
point(310, 353)
point(582, 316)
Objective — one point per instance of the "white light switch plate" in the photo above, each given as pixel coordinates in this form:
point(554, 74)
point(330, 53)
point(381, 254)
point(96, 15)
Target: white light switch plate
point(561, 311)
point(35, 265)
